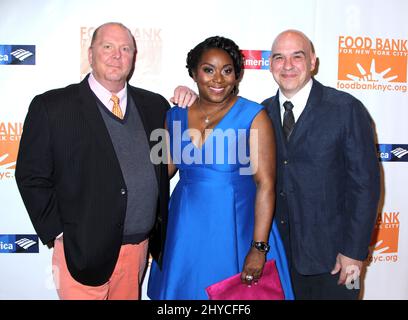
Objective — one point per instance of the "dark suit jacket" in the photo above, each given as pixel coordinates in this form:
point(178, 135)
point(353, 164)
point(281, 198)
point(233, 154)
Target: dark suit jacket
point(328, 179)
point(70, 179)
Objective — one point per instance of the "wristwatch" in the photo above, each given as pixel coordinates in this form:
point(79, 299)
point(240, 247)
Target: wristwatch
point(260, 246)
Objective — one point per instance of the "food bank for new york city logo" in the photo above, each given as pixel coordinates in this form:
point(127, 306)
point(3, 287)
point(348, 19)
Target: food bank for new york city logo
point(372, 59)
point(386, 232)
point(10, 134)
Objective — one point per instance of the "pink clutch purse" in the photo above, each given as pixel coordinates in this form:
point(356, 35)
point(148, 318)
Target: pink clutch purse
point(267, 288)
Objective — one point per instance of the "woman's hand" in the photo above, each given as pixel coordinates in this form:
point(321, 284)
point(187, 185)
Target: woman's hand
point(253, 266)
point(183, 96)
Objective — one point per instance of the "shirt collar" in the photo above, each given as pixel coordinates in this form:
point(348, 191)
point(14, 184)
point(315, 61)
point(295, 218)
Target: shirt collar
point(104, 95)
point(299, 100)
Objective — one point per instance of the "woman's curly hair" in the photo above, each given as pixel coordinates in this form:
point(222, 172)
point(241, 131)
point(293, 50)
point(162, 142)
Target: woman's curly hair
point(217, 42)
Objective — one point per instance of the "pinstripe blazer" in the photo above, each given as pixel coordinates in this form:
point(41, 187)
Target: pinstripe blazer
point(71, 182)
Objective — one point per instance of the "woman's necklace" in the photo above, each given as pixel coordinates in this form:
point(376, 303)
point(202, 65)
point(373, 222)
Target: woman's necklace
point(208, 116)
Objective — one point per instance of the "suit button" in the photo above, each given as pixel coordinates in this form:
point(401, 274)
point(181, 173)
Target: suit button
point(123, 191)
point(282, 222)
point(283, 194)
point(285, 161)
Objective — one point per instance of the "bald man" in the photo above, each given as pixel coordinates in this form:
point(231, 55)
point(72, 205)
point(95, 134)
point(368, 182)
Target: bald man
point(328, 178)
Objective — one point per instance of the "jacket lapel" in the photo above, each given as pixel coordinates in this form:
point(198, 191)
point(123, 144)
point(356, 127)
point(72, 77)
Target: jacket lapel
point(142, 107)
point(89, 108)
point(306, 117)
point(277, 123)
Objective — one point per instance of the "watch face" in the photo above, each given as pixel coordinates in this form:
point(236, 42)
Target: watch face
point(261, 246)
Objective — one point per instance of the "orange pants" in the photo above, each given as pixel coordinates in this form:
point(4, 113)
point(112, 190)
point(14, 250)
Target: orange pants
point(124, 283)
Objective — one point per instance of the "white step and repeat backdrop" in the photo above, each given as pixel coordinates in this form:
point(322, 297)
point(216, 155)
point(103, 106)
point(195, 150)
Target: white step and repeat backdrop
point(361, 45)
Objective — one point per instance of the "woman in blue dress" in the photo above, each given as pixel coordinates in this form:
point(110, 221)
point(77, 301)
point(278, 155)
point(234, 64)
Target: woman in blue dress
point(221, 210)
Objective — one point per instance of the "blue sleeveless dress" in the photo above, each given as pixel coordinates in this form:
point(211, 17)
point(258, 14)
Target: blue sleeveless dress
point(211, 210)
